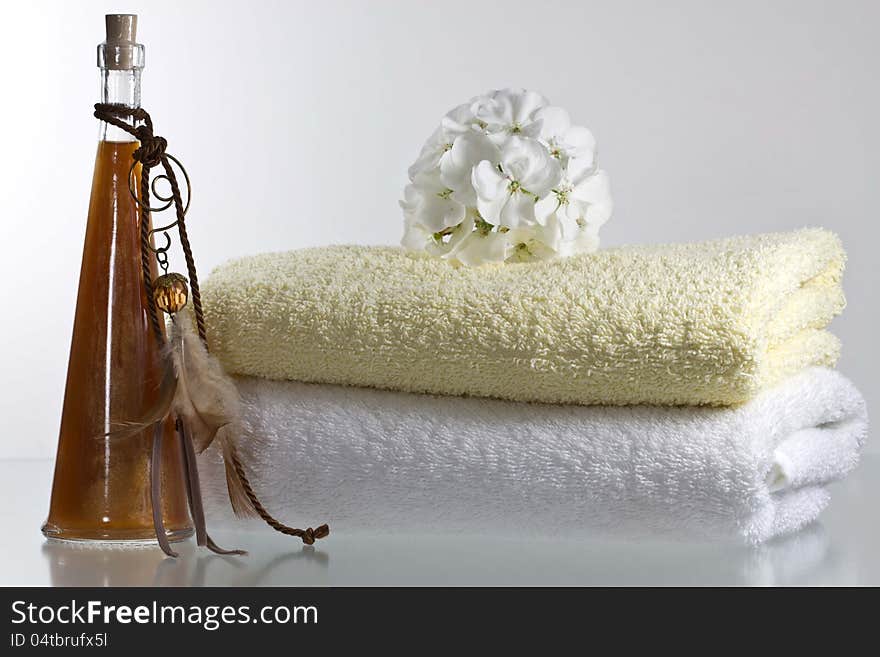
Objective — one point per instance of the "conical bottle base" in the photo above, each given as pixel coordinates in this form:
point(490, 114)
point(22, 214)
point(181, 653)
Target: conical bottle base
point(116, 537)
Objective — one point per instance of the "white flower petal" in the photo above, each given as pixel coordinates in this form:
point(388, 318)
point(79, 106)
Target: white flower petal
point(519, 210)
point(507, 110)
point(570, 212)
point(491, 189)
point(599, 213)
point(524, 104)
point(459, 234)
point(490, 209)
point(478, 249)
point(458, 164)
point(546, 206)
point(488, 182)
point(592, 198)
point(415, 237)
point(427, 202)
point(554, 122)
point(543, 179)
point(447, 211)
point(458, 121)
point(586, 240)
point(530, 250)
point(579, 147)
point(428, 180)
point(594, 189)
point(565, 223)
point(530, 164)
point(550, 234)
point(495, 111)
point(578, 142)
point(429, 157)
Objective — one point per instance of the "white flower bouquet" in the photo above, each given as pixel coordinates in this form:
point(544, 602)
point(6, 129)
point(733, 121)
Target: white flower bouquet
point(506, 178)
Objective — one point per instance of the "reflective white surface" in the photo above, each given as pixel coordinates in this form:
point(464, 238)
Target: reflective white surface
point(843, 549)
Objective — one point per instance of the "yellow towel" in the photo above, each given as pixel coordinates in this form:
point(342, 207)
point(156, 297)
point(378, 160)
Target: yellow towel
point(707, 323)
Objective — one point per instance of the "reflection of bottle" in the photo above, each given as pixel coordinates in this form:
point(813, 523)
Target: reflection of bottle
point(88, 564)
point(102, 485)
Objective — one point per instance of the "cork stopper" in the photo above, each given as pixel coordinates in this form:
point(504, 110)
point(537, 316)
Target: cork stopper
point(120, 50)
point(121, 28)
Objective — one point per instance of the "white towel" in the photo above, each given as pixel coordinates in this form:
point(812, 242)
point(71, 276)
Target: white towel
point(364, 459)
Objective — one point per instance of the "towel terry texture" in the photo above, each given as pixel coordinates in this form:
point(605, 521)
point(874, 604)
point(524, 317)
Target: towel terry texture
point(367, 459)
point(701, 324)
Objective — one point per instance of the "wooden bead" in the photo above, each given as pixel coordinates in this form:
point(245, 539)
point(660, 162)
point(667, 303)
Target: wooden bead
point(170, 292)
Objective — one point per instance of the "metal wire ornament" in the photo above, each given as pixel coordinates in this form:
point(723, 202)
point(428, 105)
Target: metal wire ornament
point(161, 252)
point(169, 200)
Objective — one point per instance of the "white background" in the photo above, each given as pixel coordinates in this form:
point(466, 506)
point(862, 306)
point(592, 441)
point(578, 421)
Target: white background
point(297, 121)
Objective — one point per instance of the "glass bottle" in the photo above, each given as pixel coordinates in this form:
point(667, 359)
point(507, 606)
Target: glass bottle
point(101, 490)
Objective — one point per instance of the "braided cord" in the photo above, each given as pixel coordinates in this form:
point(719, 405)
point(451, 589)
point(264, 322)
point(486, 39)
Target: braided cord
point(308, 536)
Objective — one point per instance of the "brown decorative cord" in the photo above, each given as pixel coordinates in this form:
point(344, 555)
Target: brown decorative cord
point(151, 153)
point(308, 536)
point(194, 493)
point(156, 490)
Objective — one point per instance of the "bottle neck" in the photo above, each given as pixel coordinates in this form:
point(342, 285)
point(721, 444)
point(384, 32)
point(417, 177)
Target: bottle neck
point(119, 87)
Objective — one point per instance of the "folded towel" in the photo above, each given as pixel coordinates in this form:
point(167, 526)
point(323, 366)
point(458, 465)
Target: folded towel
point(711, 323)
point(366, 459)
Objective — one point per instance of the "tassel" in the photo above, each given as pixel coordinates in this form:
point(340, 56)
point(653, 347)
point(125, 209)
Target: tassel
point(194, 386)
point(207, 403)
point(197, 390)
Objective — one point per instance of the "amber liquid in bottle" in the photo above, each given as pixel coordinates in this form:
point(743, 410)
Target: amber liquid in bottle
point(101, 490)
point(102, 483)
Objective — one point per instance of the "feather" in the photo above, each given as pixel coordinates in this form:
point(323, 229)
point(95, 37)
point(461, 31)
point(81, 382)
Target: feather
point(207, 401)
point(157, 412)
point(205, 396)
point(242, 506)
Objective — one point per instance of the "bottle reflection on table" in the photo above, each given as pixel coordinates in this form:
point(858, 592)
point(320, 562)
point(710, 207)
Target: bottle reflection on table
point(74, 564)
